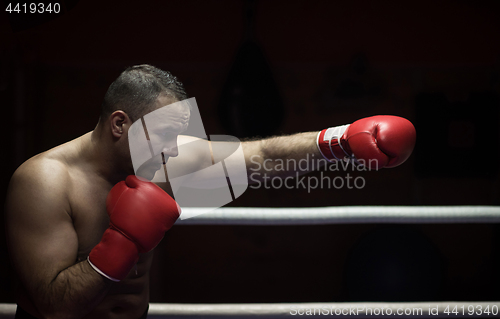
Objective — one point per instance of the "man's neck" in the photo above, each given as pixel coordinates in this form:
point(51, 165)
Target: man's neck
point(100, 153)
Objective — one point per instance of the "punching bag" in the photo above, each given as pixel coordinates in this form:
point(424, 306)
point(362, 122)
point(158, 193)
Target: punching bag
point(250, 103)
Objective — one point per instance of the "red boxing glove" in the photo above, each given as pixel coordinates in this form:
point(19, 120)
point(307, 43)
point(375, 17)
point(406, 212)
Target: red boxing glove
point(140, 213)
point(376, 142)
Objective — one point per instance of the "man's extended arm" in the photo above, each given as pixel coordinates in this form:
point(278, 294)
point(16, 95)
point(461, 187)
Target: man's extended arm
point(375, 142)
point(259, 156)
point(43, 243)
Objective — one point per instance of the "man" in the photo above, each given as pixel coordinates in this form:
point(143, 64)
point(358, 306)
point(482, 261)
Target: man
point(80, 253)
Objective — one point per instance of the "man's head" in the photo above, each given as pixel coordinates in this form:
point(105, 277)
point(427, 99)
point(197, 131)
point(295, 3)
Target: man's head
point(137, 92)
point(153, 138)
point(137, 89)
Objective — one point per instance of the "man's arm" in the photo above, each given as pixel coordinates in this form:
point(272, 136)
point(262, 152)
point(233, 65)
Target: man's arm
point(260, 158)
point(43, 243)
point(374, 142)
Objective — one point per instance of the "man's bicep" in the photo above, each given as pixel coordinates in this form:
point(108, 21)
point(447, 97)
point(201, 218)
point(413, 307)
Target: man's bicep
point(41, 237)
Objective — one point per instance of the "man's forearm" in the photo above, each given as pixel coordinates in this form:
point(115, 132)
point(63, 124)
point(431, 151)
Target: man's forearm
point(73, 293)
point(283, 155)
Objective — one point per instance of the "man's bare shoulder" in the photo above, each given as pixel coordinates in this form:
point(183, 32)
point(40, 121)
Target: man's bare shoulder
point(44, 168)
point(42, 181)
point(50, 168)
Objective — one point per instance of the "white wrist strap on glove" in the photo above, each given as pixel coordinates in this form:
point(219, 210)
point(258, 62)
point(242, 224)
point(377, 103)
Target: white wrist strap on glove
point(333, 135)
point(100, 272)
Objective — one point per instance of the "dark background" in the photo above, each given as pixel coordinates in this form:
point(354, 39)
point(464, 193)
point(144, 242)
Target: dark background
point(325, 63)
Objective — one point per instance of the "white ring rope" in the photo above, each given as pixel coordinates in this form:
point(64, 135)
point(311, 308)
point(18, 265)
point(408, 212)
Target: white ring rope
point(441, 309)
point(343, 215)
point(328, 310)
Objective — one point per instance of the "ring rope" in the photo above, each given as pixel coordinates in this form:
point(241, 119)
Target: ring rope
point(441, 309)
point(258, 216)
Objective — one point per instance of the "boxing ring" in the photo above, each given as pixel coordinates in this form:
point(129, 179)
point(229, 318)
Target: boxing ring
point(323, 216)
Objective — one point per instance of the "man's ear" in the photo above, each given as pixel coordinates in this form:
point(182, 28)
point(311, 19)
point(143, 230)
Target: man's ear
point(119, 122)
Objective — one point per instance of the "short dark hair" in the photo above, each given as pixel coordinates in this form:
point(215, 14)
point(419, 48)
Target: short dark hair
point(136, 89)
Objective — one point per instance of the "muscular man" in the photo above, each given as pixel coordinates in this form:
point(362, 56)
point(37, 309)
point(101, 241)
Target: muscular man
point(80, 253)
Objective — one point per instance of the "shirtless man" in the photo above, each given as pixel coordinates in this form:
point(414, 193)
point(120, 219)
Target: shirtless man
point(56, 212)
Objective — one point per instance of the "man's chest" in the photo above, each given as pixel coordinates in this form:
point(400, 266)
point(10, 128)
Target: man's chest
point(90, 219)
